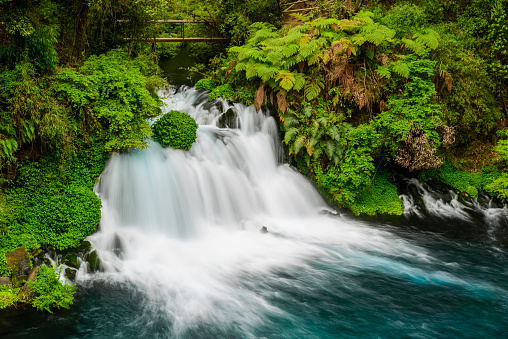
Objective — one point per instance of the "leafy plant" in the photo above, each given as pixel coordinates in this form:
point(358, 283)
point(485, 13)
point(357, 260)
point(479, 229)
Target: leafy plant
point(48, 292)
point(319, 131)
point(8, 296)
point(52, 202)
point(175, 129)
point(206, 84)
point(223, 91)
point(118, 93)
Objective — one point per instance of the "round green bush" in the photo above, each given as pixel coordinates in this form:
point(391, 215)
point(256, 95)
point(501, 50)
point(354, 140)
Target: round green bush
point(175, 129)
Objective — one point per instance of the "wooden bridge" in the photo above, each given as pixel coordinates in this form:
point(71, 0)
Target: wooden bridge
point(182, 37)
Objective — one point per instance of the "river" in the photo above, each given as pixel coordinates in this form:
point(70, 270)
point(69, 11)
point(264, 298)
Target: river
point(183, 254)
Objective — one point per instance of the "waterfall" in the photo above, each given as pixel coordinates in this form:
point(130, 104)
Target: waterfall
point(181, 231)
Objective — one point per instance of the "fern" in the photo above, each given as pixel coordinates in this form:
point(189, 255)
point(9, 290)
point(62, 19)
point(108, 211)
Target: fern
point(299, 143)
point(286, 80)
point(299, 82)
point(401, 68)
point(290, 134)
point(384, 71)
point(429, 38)
point(313, 89)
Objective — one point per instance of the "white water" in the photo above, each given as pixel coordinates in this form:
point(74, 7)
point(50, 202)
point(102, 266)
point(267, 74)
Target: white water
point(183, 227)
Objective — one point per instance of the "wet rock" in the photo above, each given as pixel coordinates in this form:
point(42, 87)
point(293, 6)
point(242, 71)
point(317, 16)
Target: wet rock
point(263, 230)
point(19, 263)
point(5, 281)
point(71, 260)
point(228, 119)
point(94, 262)
point(117, 246)
point(70, 273)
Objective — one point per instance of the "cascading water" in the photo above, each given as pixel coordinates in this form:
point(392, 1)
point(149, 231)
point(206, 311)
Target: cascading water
point(183, 256)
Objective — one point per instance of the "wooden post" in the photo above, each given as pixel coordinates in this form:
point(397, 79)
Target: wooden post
point(181, 30)
point(154, 50)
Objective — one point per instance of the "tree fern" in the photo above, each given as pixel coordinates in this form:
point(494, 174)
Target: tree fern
point(286, 79)
point(313, 89)
point(429, 38)
point(401, 68)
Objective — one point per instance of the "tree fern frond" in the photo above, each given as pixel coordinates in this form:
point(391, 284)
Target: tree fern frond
point(401, 68)
point(384, 71)
point(299, 82)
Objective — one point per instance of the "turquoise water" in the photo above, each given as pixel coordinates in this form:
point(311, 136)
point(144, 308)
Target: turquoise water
point(384, 302)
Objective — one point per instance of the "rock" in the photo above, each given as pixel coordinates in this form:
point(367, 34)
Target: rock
point(229, 119)
point(71, 260)
point(31, 277)
point(5, 281)
point(263, 230)
point(94, 261)
point(117, 246)
point(71, 273)
point(19, 263)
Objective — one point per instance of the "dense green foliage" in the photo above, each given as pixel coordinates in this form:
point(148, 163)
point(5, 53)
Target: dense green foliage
point(116, 92)
point(175, 129)
point(468, 183)
point(52, 202)
point(403, 83)
point(47, 291)
point(8, 296)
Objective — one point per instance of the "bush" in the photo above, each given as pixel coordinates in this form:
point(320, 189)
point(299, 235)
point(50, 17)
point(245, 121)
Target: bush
point(175, 129)
point(499, 188)
point(116, 91)
point(52, 202)
point(222, 91)
point(8, 296)
point(48, 291)
point(206, 84)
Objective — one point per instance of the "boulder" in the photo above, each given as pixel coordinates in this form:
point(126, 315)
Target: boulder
point(94, 261)
point(229, 119)
point(263, 230)
point(5, 281)
point(70, 273)
point(71, 260)
point(19, 263)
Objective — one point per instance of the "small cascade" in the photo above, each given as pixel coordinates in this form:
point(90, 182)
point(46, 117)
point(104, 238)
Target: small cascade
point(421, 201)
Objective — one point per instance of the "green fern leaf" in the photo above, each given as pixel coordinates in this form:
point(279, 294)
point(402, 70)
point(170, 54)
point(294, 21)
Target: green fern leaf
point(401, 68)
point(290, 134)
point(299, 82)
point(330, 149)
point(299, 143)
point(384, 71)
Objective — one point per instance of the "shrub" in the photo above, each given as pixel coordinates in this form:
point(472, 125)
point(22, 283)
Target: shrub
point(206, 84)
point(175, 129)
point(8, 296)
point(52, 202)
point(499, 188)
point(222, 91)
point(116, 91)
point(48, 291)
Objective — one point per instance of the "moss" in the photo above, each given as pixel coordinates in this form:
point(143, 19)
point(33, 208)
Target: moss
point(467, 183)
point(380, 197)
